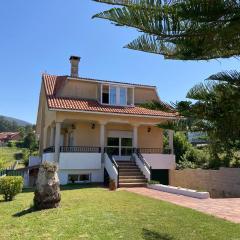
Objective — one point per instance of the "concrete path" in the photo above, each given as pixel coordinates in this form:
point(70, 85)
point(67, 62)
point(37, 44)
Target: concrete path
point(228, 208)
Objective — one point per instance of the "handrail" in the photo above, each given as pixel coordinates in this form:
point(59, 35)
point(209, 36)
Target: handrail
point(49, 149)
point(114, 163)
point(144, 162)
point(111, 159)
point(85, 149)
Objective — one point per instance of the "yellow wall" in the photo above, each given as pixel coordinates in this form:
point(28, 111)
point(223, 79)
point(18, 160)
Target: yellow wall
point(80, 89)
point(84, 135)
point(152, 139)
point(142, 95)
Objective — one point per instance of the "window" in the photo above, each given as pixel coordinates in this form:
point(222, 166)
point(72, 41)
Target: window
point(79, 178)
point(123, 96)
point(113, 95)
point(105, 94)
point(116, 95)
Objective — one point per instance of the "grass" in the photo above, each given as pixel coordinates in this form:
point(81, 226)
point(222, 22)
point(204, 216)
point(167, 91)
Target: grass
point(96, 213)
point(7, 155)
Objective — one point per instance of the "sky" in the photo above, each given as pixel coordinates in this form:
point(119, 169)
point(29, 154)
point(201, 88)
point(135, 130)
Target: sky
point(40, 36)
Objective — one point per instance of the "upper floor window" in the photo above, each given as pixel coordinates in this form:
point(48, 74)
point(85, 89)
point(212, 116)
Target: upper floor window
point(116, 95)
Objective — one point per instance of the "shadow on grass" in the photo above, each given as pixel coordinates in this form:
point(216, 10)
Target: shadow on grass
point(25, 212)
point(151, 235)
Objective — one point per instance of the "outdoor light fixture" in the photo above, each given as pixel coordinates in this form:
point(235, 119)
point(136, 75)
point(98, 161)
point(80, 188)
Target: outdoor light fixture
point(93, 126)
point(149, 130)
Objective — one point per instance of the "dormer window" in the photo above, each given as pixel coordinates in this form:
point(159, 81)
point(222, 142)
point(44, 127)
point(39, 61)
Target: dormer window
point(117, 95)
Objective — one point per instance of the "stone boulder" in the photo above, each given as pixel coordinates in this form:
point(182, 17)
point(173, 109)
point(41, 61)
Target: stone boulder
point(47, 194)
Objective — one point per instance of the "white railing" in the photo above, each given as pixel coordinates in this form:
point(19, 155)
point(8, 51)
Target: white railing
point(142, 164)
point(112, 168)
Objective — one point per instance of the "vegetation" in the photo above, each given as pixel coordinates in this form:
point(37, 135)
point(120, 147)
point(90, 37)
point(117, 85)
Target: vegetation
point(8, 156)
point(97, 213)
point(185, 30)
point(10, 186)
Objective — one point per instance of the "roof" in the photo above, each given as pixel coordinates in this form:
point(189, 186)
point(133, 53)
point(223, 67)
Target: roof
point(8, 135)
point(52, 83)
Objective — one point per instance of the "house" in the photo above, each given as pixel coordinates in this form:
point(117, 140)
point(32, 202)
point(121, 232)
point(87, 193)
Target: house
point(95, 130)
point(9, 136)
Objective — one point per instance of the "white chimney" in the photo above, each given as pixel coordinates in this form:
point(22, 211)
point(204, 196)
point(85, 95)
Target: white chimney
point(74, 60)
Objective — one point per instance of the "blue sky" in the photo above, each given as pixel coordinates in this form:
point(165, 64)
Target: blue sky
point(39, 36)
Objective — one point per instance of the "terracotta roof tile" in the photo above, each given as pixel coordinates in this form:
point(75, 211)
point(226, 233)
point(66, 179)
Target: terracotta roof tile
point(53, 83)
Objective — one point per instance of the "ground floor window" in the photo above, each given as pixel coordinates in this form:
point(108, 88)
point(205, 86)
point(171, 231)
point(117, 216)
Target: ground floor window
point(79, 178)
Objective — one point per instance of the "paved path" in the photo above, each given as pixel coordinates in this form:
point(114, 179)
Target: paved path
point(228, 208)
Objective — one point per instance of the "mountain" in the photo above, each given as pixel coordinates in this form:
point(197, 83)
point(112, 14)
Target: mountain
point(19, 122)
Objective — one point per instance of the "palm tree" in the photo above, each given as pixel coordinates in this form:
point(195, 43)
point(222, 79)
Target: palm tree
point(178, 29)
point(215, 109)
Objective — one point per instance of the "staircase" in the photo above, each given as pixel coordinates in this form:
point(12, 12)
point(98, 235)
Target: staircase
point(130, 175)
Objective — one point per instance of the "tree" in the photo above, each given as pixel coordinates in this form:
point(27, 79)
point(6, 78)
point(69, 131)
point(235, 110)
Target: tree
point(215, 110)
point(30, 141)
point(186, 30)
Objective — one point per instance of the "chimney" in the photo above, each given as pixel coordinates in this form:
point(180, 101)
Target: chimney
point(74, 60)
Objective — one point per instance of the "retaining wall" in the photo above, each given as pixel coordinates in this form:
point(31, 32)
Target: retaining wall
point(224, 182)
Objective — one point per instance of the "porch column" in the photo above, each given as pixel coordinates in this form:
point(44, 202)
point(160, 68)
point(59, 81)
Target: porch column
point(57, 141)
point(52, 136)
point(102, 136)
point(135, 136)
point(170, 140)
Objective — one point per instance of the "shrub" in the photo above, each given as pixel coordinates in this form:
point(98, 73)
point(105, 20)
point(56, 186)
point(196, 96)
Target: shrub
point(18, 156)
point(181, 145)
point(10, 186)
point(153, 182)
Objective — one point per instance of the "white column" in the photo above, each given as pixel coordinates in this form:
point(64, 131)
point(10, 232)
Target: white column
point(57, 141)
point(170, 140)
point(102, 136)
point(52, 136)
point(135, 136)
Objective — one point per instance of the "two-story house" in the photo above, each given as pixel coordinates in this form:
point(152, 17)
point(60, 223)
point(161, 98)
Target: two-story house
point(96, 130)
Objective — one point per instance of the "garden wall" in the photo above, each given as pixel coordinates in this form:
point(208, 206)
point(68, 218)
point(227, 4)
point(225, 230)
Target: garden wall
point(224, 182)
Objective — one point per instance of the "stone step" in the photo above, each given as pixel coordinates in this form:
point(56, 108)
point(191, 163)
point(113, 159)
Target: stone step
point(132, 177)
point(126, 164)
point(128, 167)
point(127, 185)
point(132, 180)
point(130, 174)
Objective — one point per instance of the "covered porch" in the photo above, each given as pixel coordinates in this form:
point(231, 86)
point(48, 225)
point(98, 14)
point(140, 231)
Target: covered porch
point(118, 139)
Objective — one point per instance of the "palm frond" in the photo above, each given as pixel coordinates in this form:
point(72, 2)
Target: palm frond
point(201, 91)
point(187, 30)
point(232, 77)
point(162, 106)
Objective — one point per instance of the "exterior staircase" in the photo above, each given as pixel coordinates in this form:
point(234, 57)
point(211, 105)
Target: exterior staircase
point(130, 175)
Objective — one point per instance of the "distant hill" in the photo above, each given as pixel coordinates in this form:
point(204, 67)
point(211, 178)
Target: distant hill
point(19, 122)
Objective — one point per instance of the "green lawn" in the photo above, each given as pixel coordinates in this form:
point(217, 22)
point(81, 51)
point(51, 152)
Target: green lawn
point(7, 155)
point(96, 213)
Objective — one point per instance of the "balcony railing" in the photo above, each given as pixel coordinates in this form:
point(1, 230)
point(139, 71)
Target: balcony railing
point(150, 150)
point(49, 150)
point(77, 149)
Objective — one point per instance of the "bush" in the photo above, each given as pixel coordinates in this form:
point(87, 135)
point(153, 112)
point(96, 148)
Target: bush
point(18, 156)
point(181, 145)
point(10, 186)
point(11, 144)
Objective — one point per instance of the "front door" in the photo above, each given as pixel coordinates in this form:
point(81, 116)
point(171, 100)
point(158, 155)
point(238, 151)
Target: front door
point(120, 147)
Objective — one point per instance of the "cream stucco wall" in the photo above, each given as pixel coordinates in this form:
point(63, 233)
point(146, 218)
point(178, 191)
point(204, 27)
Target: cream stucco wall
point(142, 95)
point(80, 89)
point(84, 135)
point(152, 139)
